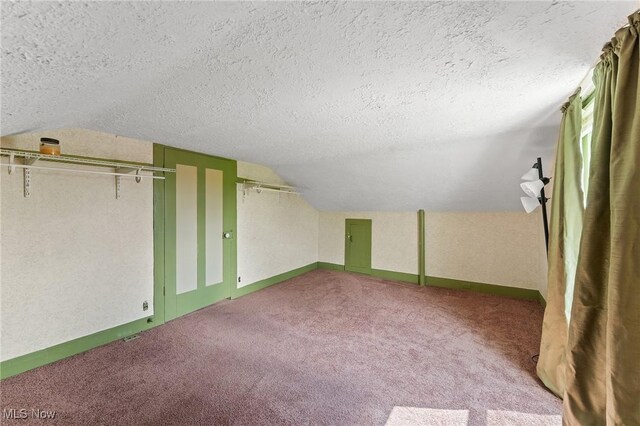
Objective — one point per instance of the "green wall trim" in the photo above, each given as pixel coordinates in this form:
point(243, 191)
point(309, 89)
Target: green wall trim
point(542, 300)
point(422, 271)
point(188, 151)
point(20, 364)
point(259, 285)
point(330, 266)
point(158, 238)
point(497, 290)
point(378, 273)
point(396, 276)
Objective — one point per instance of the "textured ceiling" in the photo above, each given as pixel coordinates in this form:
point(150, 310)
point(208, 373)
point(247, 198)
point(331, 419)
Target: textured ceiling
point(365, 106)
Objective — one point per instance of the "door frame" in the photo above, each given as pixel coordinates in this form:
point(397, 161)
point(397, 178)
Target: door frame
point(347, 267)
point(158, 238)
point(229, 169)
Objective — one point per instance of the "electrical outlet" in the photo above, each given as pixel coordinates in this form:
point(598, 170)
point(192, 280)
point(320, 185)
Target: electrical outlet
point(145, 305)
point(239, 279)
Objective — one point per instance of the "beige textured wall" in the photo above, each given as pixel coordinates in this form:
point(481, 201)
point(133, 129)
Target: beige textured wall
point(504, 248)
point(394, 239)
point(74, 260)
point(277, 232)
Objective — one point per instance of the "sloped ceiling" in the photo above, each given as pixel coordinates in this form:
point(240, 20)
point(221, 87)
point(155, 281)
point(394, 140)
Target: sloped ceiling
point(365, 106)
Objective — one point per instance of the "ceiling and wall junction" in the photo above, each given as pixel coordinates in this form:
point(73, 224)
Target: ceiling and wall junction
point(365, 106)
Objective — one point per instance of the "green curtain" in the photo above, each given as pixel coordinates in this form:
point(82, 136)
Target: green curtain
point(566, 205)
point(591, 358)
point(603, 348)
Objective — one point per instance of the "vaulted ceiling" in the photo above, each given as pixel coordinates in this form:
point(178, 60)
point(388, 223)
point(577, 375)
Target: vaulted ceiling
point(365, 106)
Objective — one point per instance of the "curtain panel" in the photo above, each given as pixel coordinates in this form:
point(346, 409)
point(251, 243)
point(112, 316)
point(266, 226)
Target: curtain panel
point(565, 204)
point(598, 372)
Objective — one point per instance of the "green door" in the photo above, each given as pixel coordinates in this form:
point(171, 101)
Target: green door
point(200, 203)
point(358, 245)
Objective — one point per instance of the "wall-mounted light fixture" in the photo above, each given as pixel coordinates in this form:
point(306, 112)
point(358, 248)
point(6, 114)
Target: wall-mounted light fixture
point(529, 204)
point(534, 188)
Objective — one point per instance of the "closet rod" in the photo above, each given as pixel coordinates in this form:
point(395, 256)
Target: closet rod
point(61, 169)
point(260, 189)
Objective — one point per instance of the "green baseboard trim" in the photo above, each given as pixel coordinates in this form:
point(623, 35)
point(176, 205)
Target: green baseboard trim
point(330, 266)
point(396, 276)
point(542, 300)
point(259, 285)
point(497, 290)
point(379, 273)
point(23, 363)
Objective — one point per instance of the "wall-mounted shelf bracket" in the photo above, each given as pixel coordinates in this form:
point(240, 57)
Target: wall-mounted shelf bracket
point(26, 175)
point(11, 160)
point(125, 171)
point(27, 181)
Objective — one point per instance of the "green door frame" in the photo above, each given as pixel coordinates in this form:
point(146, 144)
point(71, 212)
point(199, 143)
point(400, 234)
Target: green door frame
point(229, 168)
point(158, 238)
point(366, 245)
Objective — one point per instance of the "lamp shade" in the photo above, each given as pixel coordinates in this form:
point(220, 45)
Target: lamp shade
point(532, 189)
point(529, 204)
point(532, 174)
